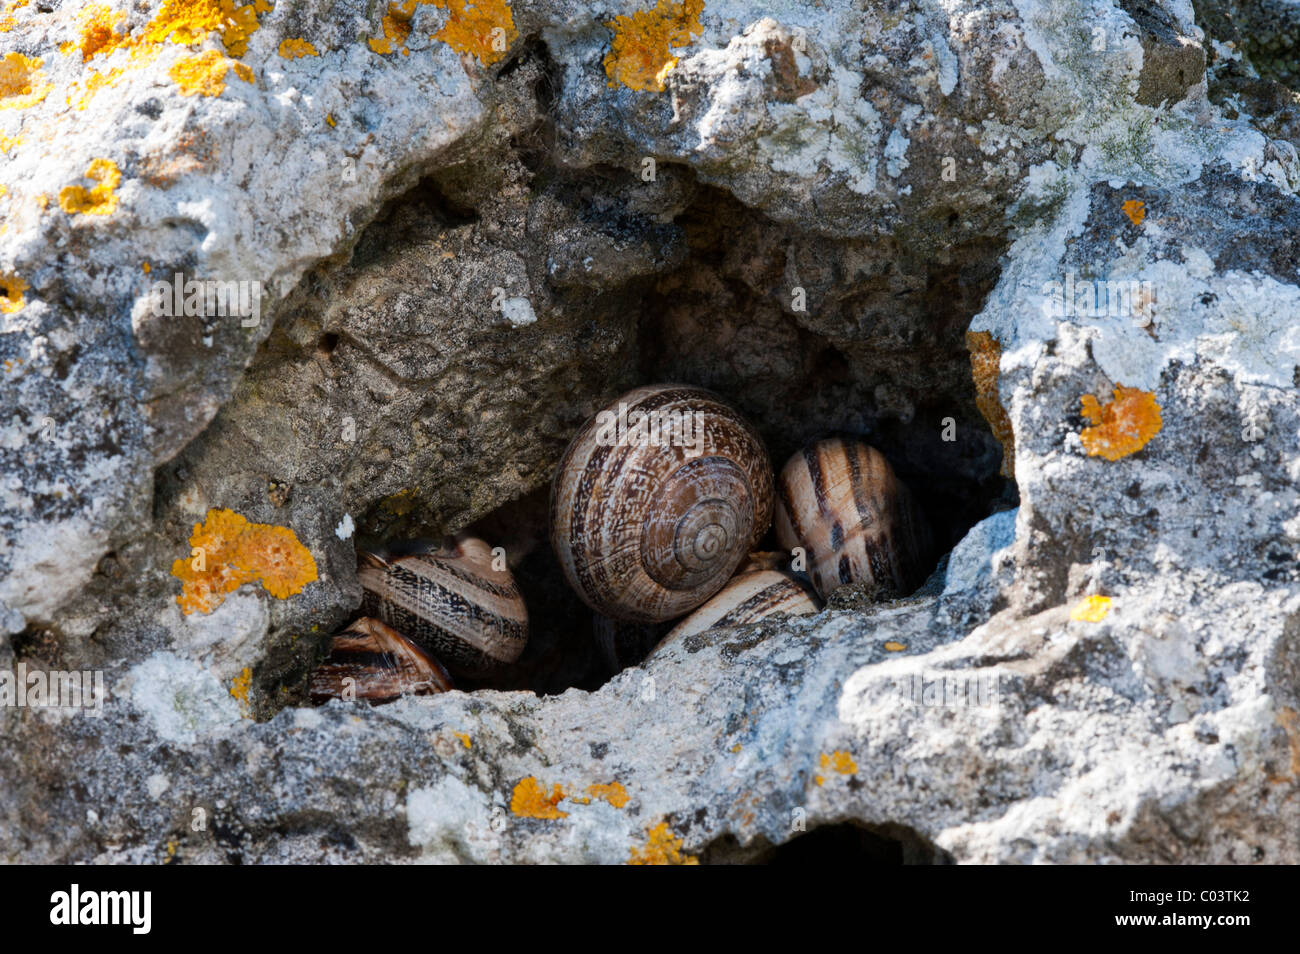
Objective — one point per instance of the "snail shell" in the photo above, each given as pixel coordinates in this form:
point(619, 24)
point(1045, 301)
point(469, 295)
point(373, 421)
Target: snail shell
point(451, 602)
point(650, 522)
point(839, 500)
point(760, 589)
point(381, 663)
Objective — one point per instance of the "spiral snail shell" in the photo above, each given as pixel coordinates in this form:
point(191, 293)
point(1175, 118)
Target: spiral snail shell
point(839, 500)
point(371, 661)
point(450, 602)
point(760, 588)
point(657, 500)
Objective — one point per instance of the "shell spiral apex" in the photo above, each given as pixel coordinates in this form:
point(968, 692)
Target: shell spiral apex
point(657, 500)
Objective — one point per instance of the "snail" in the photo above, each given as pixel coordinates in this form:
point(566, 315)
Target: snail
point(760, 588)
point(371, 661)
point(451, 602)
point(657, 500)
point(839, 500)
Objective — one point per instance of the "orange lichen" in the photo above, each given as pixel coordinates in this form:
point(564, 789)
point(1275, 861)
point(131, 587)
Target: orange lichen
point(21, 83)
point(529, 800)
point(1091, 609)
point(894, 647)
point(484, 28)
point(662, 847)
point(7, 22)
point(1289, 720)
point(985, 362)
point(839, 761)
point(239, 690)
point(205, 74)
point(292, 49)
point(1136, 210)
point(1121, 426)
point(227, 551)
point(397, 27)
point(102, 199)
point(94, 83)
point(464, 738)
point(640, 55)
point(614, 793)
point(99, 32)
point(329, 120)
point(189, 21)
point(11, 294)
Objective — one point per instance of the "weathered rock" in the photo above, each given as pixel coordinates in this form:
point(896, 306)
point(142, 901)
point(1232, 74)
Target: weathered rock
point(465, 251)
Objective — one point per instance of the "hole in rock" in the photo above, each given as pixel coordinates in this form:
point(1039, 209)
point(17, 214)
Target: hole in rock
point(876, 348)
point(843, 843)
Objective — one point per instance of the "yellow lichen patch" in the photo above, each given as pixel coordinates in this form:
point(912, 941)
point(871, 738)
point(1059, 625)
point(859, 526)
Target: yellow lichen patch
point(894, 647)
point(640, 54)
point(529, 800)
point(292, 49)
point(329, 120)
point(102, 199)
point(661, 847)
point(9, 142)
point(189, 21)
point(11, 294)
point(484, 28)
point(735, 749)
point(7, 22)
point(839, 761)
point(227, 551)
point(99, 32)
point(464, 738)
point(94, 83)
point(21, 82)
point(205, 74)
point(1091, 609)
point(985, 362)
point(239, 689)
point(1123, 425)
point(1136, 210)
point(614, 793)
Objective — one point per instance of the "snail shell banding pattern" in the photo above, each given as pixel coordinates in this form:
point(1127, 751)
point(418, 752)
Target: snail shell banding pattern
point(649, 522)
point(371, 661)
point(839, 500)
point(757, 591)
point(451, 602)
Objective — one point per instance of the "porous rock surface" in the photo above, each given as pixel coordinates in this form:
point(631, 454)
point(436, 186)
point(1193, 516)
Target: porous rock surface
point(463, 255)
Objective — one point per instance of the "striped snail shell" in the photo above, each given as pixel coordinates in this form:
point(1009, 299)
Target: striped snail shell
point(380, 663)
point(760, 588)
point(451, 602)
point(839, 500)
point(657, 500)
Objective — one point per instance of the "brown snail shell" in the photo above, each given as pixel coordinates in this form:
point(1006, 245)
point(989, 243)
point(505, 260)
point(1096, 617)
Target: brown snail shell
point(381, 663)
point(839, 500)
point(451, 602)
point(758, 590)
point(649, 525)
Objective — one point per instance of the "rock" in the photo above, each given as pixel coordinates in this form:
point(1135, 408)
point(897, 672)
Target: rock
point(454, 250)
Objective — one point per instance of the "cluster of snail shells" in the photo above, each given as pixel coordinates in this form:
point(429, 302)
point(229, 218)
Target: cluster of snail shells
point(456, 608)
point(648, 529)
point(656, 509)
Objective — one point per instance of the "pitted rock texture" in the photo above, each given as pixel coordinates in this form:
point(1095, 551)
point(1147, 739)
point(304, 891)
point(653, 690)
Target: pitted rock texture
point(470, 233)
